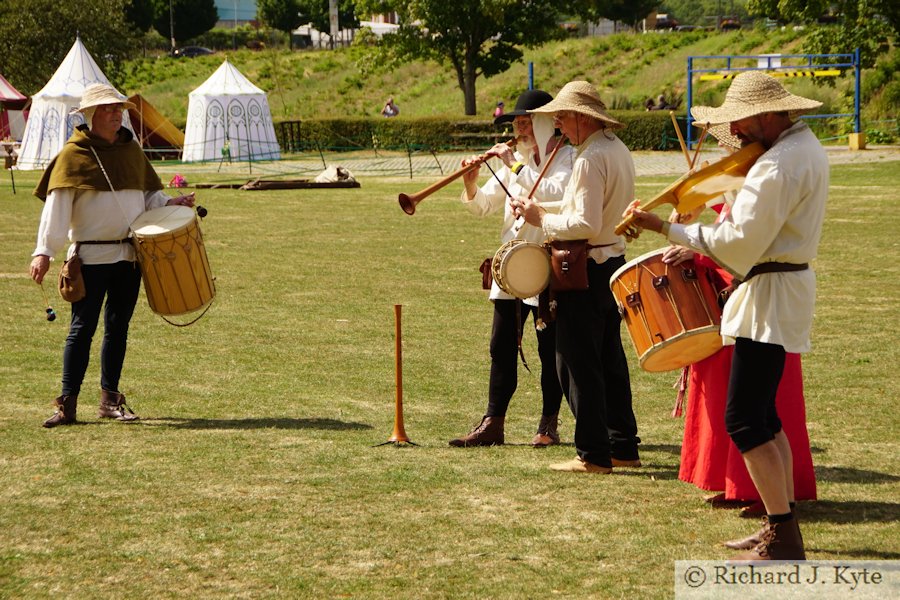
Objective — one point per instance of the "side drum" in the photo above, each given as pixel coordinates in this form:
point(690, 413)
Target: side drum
point(174, 265)
point(671, 312)
point(521, 269)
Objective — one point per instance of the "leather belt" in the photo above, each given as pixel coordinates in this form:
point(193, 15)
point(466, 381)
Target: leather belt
point(122, 241)
point(775, 267)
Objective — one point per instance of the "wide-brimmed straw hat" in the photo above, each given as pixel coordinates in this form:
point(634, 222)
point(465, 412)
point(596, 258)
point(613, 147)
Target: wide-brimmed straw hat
point(101, 93)
point(528, 100)
point(580, 97)
point(722, 133)
point(753, 93)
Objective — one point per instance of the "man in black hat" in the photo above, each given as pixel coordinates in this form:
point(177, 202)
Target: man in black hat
point(535, 141)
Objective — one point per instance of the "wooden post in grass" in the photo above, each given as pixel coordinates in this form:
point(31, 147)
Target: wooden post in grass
point(399, 435)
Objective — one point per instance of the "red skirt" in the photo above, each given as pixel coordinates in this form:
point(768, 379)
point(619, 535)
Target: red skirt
point(710, 460)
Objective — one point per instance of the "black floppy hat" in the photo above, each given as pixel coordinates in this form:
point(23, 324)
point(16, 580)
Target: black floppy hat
point(528, 100)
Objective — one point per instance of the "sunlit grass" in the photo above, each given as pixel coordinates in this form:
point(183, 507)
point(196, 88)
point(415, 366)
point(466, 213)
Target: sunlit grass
point(253, 472)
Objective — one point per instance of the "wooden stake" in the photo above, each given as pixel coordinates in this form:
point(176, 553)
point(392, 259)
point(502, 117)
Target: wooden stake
point(399, 434)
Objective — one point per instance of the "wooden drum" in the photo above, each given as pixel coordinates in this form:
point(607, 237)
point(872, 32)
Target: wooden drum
point(174, 266)
point(671, 312)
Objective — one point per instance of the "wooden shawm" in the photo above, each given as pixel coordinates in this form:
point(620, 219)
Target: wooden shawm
point(278, 184)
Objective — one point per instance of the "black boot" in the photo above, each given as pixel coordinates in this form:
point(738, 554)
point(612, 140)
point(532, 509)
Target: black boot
point(65, 411)
point(112, 406)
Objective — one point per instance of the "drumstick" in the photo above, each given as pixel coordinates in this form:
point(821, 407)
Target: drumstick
point(520, 222)
point(680, 138)
point(500, 181)
point(556, 148)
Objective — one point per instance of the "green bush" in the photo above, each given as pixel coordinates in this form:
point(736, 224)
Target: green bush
point(644, 131)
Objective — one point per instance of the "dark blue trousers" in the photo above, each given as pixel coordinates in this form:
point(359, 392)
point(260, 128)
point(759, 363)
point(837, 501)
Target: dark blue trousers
point(119, 284)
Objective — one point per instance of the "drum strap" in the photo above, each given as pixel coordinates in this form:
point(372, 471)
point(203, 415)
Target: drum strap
point(113, 190)
point(519, 334)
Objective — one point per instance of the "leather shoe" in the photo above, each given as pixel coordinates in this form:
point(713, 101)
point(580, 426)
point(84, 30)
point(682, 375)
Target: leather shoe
point(753, 511)
point(579, 465)
point(487, 433)
point(720, 501)
point(626, 463)
point(547, 433)
point(749, 542)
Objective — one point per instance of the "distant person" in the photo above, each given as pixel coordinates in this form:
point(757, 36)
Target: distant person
point(650, 104)
point(390, 109)
point(498, 112)
point(661, 103)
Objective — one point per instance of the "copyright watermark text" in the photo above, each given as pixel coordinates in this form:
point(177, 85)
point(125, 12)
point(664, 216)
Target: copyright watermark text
point(813, 580)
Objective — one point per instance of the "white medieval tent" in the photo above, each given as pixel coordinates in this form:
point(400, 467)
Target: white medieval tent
point(49, 122)
point(12, 113)
point(227, 108)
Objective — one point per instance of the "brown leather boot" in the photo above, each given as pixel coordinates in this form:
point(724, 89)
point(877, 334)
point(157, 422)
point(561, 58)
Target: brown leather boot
point(547, 434)
point(112, 406)
point(65, 411)
point(779, 541)
point(749, 542)
point(488, 433)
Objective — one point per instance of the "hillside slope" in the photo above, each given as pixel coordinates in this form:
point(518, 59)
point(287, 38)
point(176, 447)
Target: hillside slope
point(626, 68)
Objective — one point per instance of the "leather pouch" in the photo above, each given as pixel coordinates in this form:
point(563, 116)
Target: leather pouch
point(71, 282)
point(568, 265)
point(487, 276)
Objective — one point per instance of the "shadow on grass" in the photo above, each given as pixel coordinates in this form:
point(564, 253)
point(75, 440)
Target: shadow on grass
point(861, 554)
point(848, 475)
point(259, 423)
point(849, 511)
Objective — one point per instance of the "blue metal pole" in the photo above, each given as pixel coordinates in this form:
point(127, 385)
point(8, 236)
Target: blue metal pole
point(690, 96)
point(530, 75)
point(856, 61)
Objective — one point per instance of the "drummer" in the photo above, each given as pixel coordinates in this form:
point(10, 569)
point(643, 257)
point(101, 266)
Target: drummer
point(536, 139)
point(79, 204)
point(589, 355)
point(768, 240)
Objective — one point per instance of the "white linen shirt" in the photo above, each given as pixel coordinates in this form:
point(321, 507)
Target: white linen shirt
point(490, 198)
point(601, 187)
point(82, 215)
point(777, 216)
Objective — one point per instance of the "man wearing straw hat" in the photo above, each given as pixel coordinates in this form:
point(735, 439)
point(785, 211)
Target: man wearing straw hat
point(94, 206)
point(590, 359)
point(766, 242)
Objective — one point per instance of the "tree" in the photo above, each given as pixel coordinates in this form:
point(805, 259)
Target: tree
point(476, 37)
point(189, 18)
point(703, 12)
point(625, 11)
point(864, 24)
point(139, 13)
point(283, 15)
point(316, 12)
point(35, 35)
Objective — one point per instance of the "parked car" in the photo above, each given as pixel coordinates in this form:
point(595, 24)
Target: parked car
point(192, 51)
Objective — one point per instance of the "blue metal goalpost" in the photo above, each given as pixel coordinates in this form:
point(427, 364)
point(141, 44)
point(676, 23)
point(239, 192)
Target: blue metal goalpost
point(803, 65)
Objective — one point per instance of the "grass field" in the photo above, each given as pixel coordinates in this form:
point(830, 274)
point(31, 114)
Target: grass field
point(254, 473)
